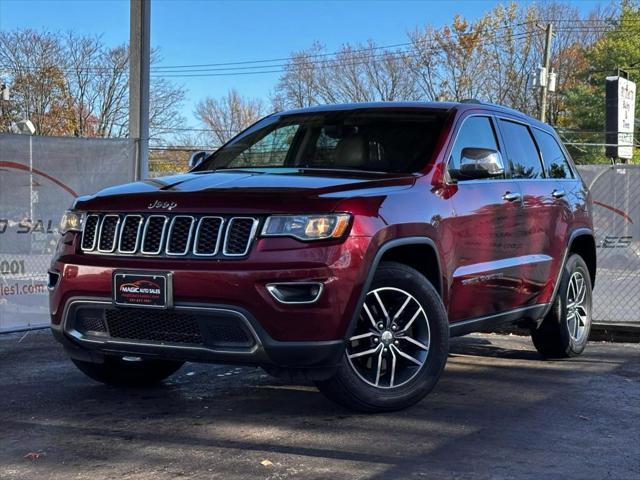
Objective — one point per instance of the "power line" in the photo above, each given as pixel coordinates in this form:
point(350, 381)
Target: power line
point(98, 69)
point(282, 68)
point(317, 55)
point(259, 67)
point(268, 67)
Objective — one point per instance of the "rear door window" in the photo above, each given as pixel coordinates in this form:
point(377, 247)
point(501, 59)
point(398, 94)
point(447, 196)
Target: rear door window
point(555, 161)
point(521, 150)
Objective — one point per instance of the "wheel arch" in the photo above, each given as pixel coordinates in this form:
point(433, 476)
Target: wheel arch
point(402, 250)
point(583, 243)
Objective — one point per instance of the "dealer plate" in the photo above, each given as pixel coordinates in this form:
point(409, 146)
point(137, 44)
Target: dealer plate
point(151, 290)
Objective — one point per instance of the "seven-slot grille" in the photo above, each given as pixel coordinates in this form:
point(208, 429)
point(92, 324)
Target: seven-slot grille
point(170, 235)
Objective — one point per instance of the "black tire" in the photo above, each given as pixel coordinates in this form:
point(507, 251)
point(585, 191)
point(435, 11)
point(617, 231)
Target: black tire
point(115, 371)
point(557, 336)
point(350, 389)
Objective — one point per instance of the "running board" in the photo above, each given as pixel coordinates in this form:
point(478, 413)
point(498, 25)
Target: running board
point(533, 312)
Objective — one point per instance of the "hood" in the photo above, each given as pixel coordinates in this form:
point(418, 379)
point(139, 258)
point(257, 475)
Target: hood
point(245, 191)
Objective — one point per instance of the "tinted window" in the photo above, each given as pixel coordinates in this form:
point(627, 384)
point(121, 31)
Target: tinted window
point(555, 162)
point(476, 132)
point(521, 150)
point(270, 150)
point(360, 140)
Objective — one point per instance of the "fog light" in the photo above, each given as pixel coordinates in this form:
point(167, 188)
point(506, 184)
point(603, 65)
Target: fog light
point(296, 292)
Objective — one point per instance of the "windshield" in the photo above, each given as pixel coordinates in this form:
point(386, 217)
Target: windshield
point(370, 140)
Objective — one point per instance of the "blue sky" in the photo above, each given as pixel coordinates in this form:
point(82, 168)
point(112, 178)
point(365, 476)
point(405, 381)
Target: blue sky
point(207, 31)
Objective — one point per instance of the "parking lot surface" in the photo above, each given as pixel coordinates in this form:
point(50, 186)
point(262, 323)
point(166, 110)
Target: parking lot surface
point(498, 412)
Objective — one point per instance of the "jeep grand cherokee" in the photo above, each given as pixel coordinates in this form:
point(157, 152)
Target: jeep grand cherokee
point(346, 243)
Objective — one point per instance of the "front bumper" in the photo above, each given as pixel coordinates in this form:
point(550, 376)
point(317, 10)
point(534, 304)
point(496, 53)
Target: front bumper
point(282, 335)
point(259, 348)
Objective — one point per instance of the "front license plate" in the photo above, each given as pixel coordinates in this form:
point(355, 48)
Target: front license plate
point(142, 289)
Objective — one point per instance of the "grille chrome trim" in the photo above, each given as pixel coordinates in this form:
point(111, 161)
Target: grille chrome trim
point(203, 236)
point(95, 232)
point(162, 236)
point(252, 235)
point(218, 237)
point(115, 233)
point(124, 223)
point(170, 232)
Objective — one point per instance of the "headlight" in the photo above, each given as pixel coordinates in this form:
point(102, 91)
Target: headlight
point(307, 227)
point(71, 222)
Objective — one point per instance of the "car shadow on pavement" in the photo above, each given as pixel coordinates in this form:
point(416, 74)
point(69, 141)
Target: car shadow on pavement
point(484, 348)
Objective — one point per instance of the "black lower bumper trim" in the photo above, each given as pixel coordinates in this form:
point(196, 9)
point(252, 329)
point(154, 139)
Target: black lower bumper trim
point(261, 350)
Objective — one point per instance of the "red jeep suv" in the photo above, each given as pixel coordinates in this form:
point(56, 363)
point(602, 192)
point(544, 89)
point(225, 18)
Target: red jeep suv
point(346, 243)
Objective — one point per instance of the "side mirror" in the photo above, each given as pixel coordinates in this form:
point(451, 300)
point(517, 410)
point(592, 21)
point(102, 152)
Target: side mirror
point(197, 158)
point(478, 164)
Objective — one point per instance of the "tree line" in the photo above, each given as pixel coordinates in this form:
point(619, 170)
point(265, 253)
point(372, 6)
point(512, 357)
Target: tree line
point(70, 84)
point(492, 59)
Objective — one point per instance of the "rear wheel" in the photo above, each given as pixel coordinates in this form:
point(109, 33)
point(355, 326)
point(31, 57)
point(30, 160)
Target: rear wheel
point(564, 332)
point(399, 347)
point(116, 371)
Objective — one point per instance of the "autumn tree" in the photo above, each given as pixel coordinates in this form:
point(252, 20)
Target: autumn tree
point(69, 84)
point(619, 47)
point(39, 87)
point(493, 58)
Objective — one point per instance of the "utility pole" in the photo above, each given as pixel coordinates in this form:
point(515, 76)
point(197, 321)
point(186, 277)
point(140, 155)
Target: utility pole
point(139, 62)
point(546, 61)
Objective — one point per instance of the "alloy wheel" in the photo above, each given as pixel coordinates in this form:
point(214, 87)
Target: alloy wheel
point(391, 342)
point(578, 318)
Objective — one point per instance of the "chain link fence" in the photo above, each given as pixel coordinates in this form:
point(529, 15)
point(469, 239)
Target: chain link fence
point(39, 178)
point(616, 213)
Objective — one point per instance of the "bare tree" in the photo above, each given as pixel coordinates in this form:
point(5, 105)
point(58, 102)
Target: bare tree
point(228, 115)
point(82, 54)
point(70, 84)
point(297, 87)
point(356, 73)
point(452, 62)
point(112, 84)
point(493, 58)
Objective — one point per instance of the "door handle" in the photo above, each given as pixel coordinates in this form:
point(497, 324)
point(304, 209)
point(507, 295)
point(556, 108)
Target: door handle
point(558, 193)
point(511, 197)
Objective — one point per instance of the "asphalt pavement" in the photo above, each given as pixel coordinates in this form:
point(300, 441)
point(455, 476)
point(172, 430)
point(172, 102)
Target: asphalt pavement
point(499, 412)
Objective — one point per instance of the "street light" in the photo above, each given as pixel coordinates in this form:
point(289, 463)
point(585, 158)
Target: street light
point(25, 127)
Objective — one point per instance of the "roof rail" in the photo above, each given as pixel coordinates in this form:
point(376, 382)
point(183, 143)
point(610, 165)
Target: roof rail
point(471, 100)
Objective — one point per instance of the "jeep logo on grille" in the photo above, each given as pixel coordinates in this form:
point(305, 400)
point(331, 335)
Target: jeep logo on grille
point(162, 205)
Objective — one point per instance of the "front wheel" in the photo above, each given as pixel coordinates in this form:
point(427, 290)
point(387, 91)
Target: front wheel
point(399, 347)
point(564, 332)
point(115, 371)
